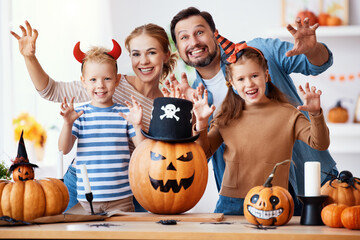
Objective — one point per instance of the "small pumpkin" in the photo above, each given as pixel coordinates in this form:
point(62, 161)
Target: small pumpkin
point(334, 21)
point(343, 189)
point(269, 205)
point(168, 178)
point(323, 17)
point(338, 114)
point(308, 14)
point(23, 173)
point(350, 217)
point(28, 200)
point(331, 215)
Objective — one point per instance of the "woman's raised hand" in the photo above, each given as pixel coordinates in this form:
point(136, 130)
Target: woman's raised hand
point(27, 42)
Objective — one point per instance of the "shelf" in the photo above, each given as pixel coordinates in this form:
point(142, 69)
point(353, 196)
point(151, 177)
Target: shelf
point(344, 138)
point(322, 31)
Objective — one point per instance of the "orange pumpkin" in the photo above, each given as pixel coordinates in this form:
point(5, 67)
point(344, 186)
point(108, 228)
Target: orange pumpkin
point(23, 173)
point(28, 200)
point(268, 205)
point(344, 190)
point(338, 114)
point(331, 215)
point(323, 17)
point(168, 178)
point(334, 21)
point(350, 217)
point(308, 14)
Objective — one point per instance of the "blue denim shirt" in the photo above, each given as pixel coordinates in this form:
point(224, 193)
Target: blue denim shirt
point(280, 67)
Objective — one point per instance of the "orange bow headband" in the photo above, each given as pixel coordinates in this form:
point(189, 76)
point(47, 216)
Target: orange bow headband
point(232, 51)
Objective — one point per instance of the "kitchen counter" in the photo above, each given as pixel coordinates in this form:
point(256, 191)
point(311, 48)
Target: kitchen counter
point(231, 227)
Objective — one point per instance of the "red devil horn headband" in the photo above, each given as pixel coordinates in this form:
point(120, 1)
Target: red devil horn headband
point(115, 52)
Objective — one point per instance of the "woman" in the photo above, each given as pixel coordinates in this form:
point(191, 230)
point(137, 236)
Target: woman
point(151, 59)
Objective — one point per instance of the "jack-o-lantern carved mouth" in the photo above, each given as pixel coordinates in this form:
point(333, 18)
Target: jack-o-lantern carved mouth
point(264, 214)
point(23, 179)
point(172, 184)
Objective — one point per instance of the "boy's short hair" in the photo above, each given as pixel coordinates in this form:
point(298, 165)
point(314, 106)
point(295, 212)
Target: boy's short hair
point(99, 55)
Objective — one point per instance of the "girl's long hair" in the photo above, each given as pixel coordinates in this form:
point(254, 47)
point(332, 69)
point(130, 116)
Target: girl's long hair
point(233, 105)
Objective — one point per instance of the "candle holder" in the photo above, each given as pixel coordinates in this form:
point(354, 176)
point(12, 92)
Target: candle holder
point(311, 211)
point(89, 198)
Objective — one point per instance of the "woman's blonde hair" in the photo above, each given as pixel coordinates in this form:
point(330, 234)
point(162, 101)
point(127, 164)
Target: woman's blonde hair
point(160, 35)
point(99, 55)
point(233, 104)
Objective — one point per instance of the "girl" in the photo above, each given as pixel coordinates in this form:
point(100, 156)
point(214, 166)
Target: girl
point(151, 59)
point(258, 126)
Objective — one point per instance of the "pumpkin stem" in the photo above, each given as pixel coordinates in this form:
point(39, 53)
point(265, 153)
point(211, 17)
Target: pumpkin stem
point(271, 176)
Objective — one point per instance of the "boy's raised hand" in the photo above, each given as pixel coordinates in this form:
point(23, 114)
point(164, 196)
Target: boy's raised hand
point(27, 42)
point(201, 109)
point(135, 114)
point(311, 99)
point(68, 112)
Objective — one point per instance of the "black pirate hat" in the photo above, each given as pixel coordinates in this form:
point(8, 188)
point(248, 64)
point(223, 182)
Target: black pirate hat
point(21, 158)
point(171, 120)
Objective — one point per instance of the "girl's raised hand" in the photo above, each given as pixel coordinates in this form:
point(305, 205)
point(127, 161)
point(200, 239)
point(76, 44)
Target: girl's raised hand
point(135, 114)
point(27, 42)
point(68, 112)
point(311, 99)
point(201, 108)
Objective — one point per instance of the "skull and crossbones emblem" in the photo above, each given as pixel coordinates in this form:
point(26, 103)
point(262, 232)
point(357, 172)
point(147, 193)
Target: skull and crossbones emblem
point(170, 111)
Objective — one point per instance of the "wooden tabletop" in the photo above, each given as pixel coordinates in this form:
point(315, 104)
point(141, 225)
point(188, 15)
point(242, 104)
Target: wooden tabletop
point(231, 227)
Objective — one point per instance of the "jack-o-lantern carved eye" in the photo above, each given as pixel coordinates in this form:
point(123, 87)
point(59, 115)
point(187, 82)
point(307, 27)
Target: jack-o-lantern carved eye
point(156, 156)
point(189, 157)
point(254, 198)
point(274, 200)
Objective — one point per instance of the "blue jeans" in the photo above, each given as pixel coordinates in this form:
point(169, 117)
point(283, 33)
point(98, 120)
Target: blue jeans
point(70, 180)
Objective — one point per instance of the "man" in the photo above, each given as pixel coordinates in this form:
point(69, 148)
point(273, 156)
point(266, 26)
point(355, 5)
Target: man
point(193, 33)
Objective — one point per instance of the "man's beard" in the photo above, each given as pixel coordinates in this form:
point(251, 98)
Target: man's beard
point(204, 62)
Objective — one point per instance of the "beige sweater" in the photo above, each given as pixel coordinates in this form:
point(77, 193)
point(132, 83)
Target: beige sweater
point(263, 136)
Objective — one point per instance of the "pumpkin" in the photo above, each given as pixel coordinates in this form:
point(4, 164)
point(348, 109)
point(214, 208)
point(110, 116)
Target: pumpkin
point(28, 200)
point(323, 17)
point(334, 21)
point(338, 114)
point(350, 217)
point(331, 215)
point(168, 178)
point(307, 14)
point(343, 190)
point(268, 205)
point(23, 173)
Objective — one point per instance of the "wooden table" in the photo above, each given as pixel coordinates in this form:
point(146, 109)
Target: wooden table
point(237, 229)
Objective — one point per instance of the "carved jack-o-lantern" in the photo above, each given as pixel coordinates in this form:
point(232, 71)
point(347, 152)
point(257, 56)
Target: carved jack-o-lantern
point(168, 178)
point(23, 173)
point(268, 205)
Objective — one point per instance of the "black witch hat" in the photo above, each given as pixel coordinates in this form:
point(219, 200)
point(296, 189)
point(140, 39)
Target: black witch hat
point(21, 158)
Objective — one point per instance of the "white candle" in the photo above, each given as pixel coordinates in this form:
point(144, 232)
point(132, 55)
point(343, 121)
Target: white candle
point(60, 165)
point(85, 178)
point(312, 179)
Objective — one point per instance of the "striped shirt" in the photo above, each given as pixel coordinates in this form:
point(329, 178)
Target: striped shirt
point(103, 146)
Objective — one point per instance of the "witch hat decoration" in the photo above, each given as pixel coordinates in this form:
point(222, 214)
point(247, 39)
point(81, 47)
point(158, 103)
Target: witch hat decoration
point(232, 51)
point(171, 120)
point(22, 157)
